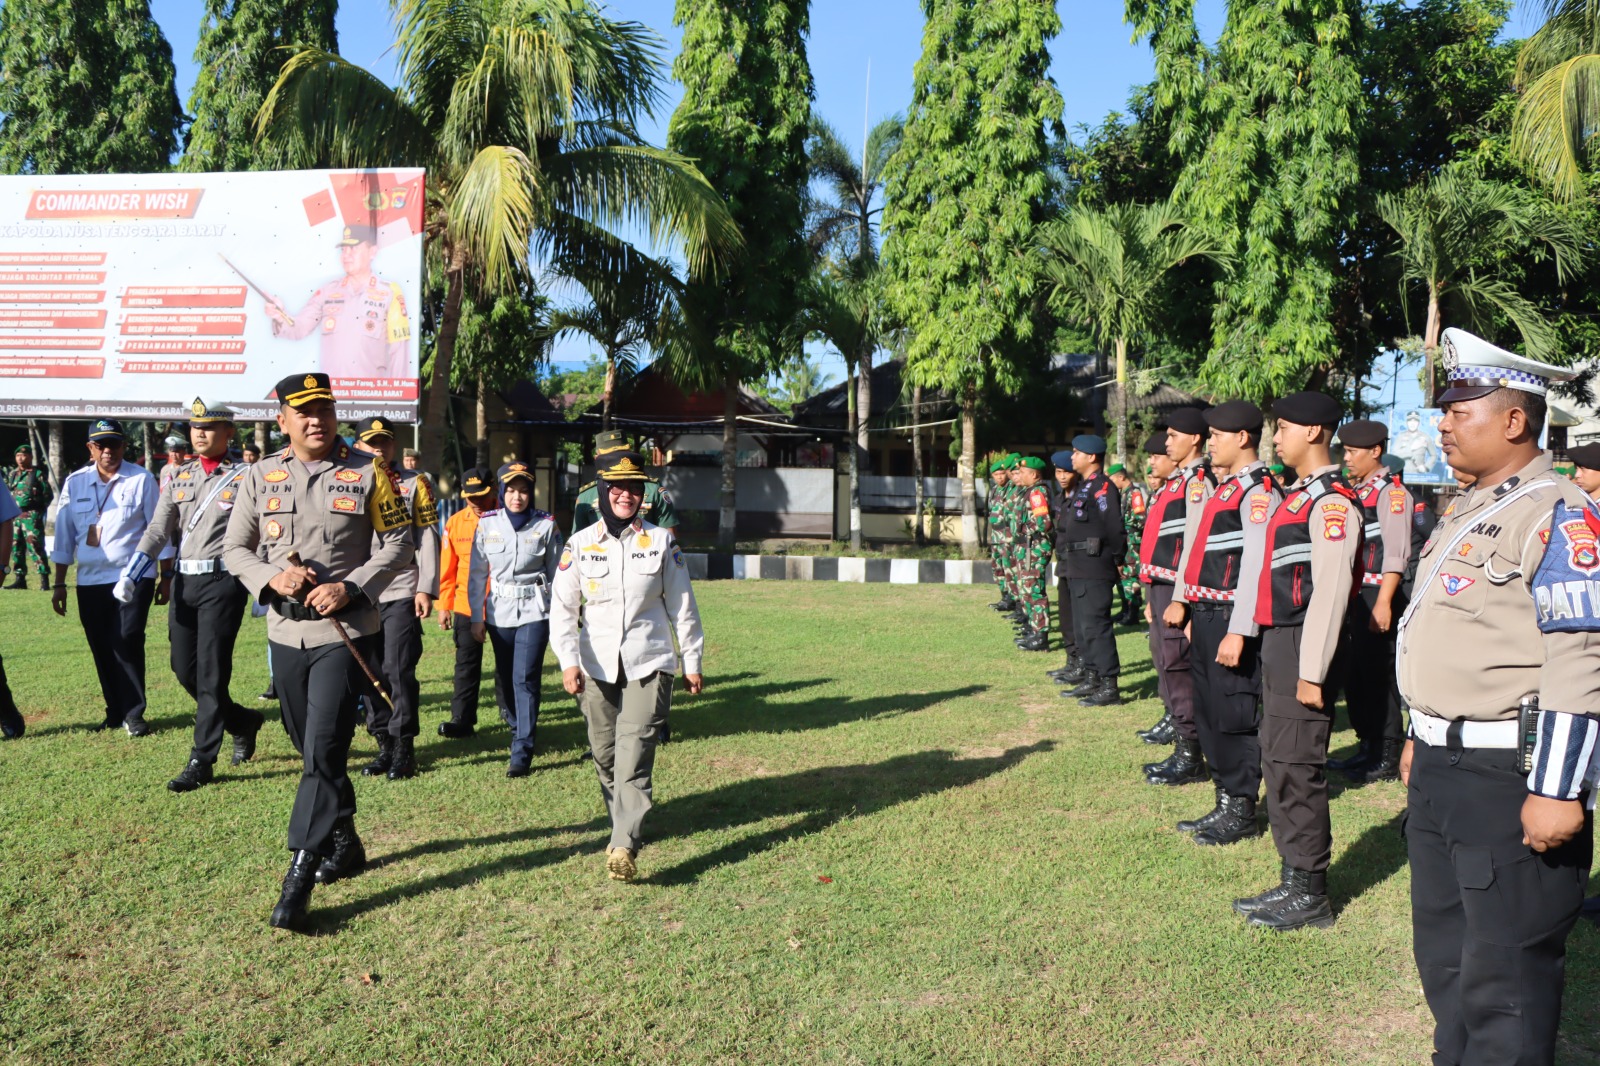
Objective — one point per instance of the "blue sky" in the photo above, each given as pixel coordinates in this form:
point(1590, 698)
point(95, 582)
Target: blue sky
point(1093, 60)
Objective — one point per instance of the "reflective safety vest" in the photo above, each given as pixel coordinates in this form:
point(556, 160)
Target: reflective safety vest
point(1213, 572)
point(1372, 499)
point(1161, 545)
point(1286, 579)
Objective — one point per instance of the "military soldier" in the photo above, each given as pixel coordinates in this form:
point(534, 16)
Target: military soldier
point(314, 507)
point(1503, 626)
point(1185, 490)
point(1371, 693)
point(31, 492)
point(1312, 545)
point(105, 509)
point(1075, 668)
point(999, 488)
point(361, 318)
point(403, 605)
point(1219, 581)
point(1134, 504)
point(657, 506)
point(629, 579)
point(1033, 550)
point(1093, 539)
point(207, 604)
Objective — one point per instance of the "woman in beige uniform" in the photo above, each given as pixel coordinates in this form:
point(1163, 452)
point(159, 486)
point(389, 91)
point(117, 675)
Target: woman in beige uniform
point(630, 579)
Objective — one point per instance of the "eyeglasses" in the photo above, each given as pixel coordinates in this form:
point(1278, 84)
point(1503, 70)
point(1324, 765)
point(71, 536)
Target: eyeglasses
point(625, 490)
point(107, 446)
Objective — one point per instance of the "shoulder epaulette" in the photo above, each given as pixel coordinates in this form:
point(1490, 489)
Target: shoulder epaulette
point(586, 488)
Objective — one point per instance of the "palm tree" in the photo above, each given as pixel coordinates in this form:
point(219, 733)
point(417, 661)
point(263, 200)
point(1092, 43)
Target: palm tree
point(842, 224)
point(1452, 229)
point(1107, 269)
point(525, 114)
point(840, 309)
point(1558, 76)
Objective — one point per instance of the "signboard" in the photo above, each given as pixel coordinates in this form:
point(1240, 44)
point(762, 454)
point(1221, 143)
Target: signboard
point(1394, 395)
point(131, 294)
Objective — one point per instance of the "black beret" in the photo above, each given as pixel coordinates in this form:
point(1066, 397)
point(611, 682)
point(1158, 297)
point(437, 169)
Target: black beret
point(1363, 433)
point(1586, 456)
point(1235, 416)
point(1307, 409)
point(1187, 420)
point(1157, 444)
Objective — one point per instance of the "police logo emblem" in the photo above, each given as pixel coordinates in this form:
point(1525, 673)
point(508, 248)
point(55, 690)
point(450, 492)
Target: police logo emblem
point(349, 477)
point(274, 529)
point(643, 540)
point(274, 503)
point(1583, 551)
point(1397, 501)
point(1333, 526)
point(198, 408)
point(1258, 507)
point(344, 504)
point(311, 380)
point(1455, 584)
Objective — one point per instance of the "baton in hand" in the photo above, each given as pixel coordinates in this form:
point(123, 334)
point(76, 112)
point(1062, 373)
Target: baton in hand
point(344, 635)
point(257, 289)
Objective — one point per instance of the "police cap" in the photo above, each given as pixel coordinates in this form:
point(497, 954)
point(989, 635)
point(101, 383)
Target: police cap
point(1187, 420)
point(203, 412)
point(377, 427)
point(1307, 409)
point(1476, 368)
point(511, 471)
point(106, 429)
point(354, 235)
point(1586, 455)
point(297, 390)
point(1363, 433)
point(1062, 459)
point(477, 481)
point(1235, 416)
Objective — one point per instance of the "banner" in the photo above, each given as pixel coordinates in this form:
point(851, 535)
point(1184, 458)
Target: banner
point(1394, 395)
point(133, 294)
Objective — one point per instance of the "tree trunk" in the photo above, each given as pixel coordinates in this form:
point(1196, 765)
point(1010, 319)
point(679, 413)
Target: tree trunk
point(852, 425)
point(968, 463)
point(1430, 339)
point(261, 439)
point(609, 391)
point(149, 436)
point(436, 401)
point(916, 460)
point(482, 436)
point(864, 405)
point(58, 453)
point(730, 461)
point(1122, 400)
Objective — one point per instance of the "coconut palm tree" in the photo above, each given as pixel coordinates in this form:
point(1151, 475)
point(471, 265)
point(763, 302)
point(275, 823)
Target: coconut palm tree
point(525, 113)
point(1452, 229)
point(1107, 268)
point(1558, 112)
point(840, 309)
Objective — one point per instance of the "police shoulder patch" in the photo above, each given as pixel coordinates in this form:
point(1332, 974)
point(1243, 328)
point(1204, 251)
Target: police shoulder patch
point(1260, 505)
point(1397, 501)
point(566, 559)
point(1566, 586)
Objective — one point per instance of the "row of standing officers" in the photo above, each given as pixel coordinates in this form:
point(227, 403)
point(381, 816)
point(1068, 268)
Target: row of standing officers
point(1269, 596)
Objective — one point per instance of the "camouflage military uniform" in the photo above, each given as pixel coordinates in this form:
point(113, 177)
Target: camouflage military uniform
point(32, 493)
point(1034, 547)
point(1000, 537)
point(1133, 508)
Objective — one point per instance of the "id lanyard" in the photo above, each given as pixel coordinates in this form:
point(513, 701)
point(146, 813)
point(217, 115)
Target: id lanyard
point(92, 537)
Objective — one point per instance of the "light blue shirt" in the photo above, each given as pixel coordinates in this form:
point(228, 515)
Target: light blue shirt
point(8, 509)
point(509, 578)
point(122, 509)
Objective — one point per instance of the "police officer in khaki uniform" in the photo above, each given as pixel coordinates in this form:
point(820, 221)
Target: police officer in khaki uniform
point(1371, 694)
point(312, 510)
point(361, 318)
point(629, 579)
point(1305, 587)
point(207, 604)
point(404, 604)
point(1504, 613)
point(1219, 581)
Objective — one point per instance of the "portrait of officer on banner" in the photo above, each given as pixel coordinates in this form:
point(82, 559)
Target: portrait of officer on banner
point(362, 319)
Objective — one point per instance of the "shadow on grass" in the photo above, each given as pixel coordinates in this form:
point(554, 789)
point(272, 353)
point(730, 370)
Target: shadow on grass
point(822, 796)
point(1377, 855)
point(730, 709)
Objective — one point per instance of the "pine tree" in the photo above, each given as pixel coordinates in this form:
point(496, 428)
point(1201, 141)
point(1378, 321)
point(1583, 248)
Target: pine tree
point(964, 198)
point(240, 54)
point(86, 87)
point(745, 114)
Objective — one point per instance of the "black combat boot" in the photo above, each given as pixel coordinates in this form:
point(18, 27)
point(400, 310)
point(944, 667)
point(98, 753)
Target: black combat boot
point(1105, 694)
point(1160, 733)
point(244, 741)
point(1278, 892)
point(1019, 616)
point(1038, 640)
point(1090, 682)
point(380, 766)
point(1363, 758)
point(403, 763)
point(1073, 672)
point(20, 581)
point(349, 855)
point(1003, 604)
point(1387, 768)
point(1306, 903)
point(1238, 822)
point(1186, 767)
point(1206, 820)
point(194, 775)
point(290, 912)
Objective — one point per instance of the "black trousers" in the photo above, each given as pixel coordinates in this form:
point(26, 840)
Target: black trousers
point(469, 675)
point(115, 632)
point(202, 625)
point(10, 718)
point(395, 660)
point(1227, 712)
point(1294, 753)
point(1064, 612)
point(1371, 689)
point(319, 691)
point(1091, 624)
point(1169, 654)
point(1489, 916)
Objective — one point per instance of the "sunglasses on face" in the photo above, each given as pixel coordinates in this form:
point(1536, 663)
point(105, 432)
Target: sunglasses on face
point(623, 490)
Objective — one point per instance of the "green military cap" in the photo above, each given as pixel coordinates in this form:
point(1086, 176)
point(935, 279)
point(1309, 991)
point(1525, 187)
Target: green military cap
point(611, 440)
point(1031, 462)
point(23, 449)
point(205, 413)
point(1116, 468)
point(1276, 468)
point(410, 453)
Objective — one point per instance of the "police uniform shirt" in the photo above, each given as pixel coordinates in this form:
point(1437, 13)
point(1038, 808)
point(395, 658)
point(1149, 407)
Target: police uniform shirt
point(365, 330)
point(193, 511)
point(512, 572)
point(1334, 535)
point(1507, 604)
point(422, 573)
point(635, 595)
point(1093, 511)
point(1391, 528)
point(9, 508)
point(327, 511)
point(1254, 500)
point(121, 509)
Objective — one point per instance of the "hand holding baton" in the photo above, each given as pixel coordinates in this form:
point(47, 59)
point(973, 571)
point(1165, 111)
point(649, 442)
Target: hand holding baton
point(287, 320)
point(344, 635)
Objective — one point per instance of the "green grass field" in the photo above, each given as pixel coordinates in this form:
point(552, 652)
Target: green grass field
point(880, 838)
